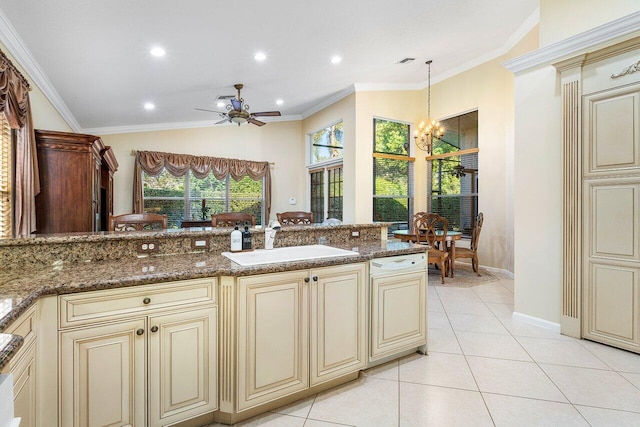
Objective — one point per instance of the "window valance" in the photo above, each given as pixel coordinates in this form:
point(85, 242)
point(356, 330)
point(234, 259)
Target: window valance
point(153, 162)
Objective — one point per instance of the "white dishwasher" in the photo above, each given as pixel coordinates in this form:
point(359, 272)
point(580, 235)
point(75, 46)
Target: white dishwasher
point(398, 304)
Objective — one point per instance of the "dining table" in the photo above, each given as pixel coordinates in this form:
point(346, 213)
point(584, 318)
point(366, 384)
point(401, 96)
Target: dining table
point(450, 243)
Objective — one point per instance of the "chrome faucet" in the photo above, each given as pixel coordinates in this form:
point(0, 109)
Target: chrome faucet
point(270, 234)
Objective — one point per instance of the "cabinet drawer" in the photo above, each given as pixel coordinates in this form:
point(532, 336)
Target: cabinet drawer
point(97, 306)
point(25, 326)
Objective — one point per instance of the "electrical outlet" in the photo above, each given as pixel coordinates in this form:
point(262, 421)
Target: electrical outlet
point(200, 243)
point(150, 247)
point(355, 233)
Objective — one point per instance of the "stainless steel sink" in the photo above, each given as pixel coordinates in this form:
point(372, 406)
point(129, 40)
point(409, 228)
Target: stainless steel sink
point(286, 254)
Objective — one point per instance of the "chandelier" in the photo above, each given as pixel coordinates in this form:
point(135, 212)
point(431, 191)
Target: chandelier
point(429, 130)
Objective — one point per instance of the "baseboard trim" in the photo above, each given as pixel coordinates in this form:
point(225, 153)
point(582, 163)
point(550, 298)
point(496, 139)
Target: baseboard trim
point(536, 321)
point(499, 270)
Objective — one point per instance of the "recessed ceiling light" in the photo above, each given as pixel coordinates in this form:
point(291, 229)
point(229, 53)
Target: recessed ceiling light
point(220, 104)
point(158, 51)
point(279, 101)
point(260, 56)
point(336, 59)
point(149, 106)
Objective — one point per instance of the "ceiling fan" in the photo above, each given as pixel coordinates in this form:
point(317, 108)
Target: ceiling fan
point(238, 111)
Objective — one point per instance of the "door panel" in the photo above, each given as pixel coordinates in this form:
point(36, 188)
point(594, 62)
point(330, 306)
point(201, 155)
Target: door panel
point(613, 305)
point(273, 337)
point(102, 375)
point(611, 217)
point(182, 366)
point(338, 322)
point(398, 310)
point(613, 131)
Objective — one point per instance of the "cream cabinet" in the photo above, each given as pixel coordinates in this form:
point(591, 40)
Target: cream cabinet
point(398, 310)
point(23, 368)
point(299, 329)
point(153, 364)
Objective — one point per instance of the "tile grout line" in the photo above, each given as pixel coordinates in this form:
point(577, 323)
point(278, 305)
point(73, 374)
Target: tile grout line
point(469, 366)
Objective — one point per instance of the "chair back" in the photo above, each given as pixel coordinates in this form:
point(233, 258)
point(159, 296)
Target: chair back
point(475, 233)
point(137, 222)
point(295, 218)
point(230, 219)
point(426, 228)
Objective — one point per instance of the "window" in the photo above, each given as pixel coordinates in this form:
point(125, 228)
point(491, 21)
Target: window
point(5, 179)
point(392, 174)
point(327, 144)
point(453, 187)
point(325, 173)
point(197, 199)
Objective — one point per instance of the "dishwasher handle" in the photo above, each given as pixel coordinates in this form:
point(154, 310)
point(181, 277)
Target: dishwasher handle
point(394, 265)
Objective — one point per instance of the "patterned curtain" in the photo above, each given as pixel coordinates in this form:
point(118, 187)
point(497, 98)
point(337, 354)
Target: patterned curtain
point(14, 102)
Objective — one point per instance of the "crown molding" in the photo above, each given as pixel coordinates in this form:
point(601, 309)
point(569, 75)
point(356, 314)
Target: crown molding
point(373, 87)
point(572, 45)
point(173, 126)
point(16, 47)
point(329, 101)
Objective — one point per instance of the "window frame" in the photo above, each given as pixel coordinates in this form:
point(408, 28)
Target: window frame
point(410, 196)
point(329, 161)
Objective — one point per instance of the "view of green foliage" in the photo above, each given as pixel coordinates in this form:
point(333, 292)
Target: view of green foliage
point(391, 176)
point(327, 143)
point(165, 194)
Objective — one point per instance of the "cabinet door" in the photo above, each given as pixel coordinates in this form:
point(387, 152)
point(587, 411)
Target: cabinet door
point(338, 316)
point(24, 387)
point(273, 350)
point(182, 365)
point(102, 377)
point(398, 313)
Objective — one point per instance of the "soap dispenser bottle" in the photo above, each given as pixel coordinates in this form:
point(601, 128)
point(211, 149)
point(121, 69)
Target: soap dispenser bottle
point(246, 239)
point(236, 240)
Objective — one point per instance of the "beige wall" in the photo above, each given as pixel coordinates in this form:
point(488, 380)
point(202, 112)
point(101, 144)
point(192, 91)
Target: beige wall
point(45, 116)
point(488, 88)
point(277, 142)
point(560, 19)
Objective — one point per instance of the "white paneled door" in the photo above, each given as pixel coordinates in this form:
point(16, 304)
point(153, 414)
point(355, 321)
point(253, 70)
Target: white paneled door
point(611, 217)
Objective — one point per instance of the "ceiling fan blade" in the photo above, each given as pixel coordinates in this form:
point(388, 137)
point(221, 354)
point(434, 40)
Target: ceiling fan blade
point(266, 113)
point(209, 111)
point(237, 104)
point(256, 122)
point(221, 121)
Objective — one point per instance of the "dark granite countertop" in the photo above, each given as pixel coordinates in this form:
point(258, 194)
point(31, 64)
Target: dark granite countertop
point(21, 287)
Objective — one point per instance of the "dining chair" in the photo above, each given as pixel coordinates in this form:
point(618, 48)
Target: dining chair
point(230, 219)
point(472, 252)
point(295, 218)
point(425, 228)
point(137, 222)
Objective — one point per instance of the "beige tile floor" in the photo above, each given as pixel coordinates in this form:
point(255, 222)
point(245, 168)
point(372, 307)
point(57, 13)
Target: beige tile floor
point(483, 369)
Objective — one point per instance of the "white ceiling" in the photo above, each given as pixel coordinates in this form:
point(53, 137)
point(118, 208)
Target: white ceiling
point(92, 60)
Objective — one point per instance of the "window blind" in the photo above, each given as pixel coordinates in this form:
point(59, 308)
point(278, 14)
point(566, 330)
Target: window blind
point(5, 179)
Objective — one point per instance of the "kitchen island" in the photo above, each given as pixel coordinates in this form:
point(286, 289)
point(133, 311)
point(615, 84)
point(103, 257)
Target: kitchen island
point(52, 272)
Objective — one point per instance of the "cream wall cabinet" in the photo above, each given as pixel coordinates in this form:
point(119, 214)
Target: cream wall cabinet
point(155, 365)
point(398, 313)
point(23, 368)
point(299, 329)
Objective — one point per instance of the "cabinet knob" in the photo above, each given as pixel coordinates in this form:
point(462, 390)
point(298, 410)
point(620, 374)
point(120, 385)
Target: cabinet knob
point(306, 280)
point(146, 300)
point(154, 329)
point(315, 278)
point(140, 331)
